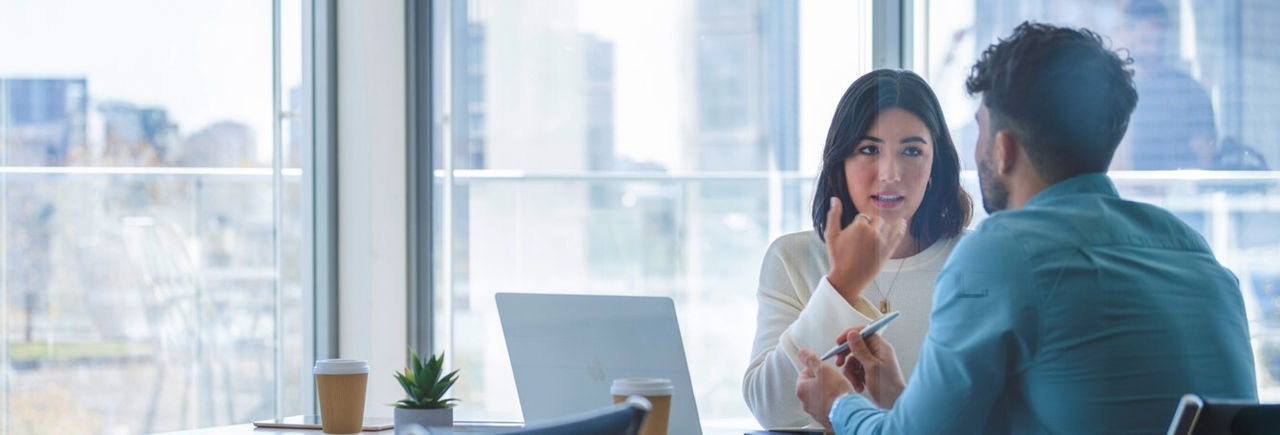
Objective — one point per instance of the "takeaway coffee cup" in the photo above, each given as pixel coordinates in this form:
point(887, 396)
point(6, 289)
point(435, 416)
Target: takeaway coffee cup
point(340, 383)
point(657, 390)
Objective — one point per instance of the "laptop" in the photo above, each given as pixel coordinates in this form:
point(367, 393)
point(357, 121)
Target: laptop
point(566, 350)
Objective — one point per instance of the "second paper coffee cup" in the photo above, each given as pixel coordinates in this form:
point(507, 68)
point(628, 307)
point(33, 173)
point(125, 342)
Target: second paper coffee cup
point(657, 390)
point(340, 384)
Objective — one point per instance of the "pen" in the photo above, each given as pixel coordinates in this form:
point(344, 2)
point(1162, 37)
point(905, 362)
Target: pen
point(866, 332)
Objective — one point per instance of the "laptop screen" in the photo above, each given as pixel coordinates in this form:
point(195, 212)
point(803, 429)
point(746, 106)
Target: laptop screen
point(566, 350)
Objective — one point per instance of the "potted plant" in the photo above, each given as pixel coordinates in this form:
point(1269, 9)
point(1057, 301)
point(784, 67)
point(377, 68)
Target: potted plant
point(425, 388)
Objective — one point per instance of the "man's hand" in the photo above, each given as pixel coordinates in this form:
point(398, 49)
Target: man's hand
point(871, 364)
point(858, 251)
point(818, 387)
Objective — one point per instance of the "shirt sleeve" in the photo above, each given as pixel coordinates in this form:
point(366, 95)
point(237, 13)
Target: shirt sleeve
point(980, 336)
point(785, 323)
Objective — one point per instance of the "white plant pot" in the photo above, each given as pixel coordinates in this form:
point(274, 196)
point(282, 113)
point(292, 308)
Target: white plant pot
point(427, 418)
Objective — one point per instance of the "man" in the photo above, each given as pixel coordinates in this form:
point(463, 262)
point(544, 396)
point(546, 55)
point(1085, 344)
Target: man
point(1070, 311)
point(1172, 126)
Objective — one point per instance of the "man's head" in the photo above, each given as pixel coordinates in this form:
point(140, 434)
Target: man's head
point(1148, 26)
point(1055, 95)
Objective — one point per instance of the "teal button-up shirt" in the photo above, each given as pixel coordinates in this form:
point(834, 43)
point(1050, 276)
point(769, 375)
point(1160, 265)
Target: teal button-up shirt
point(1079, 313)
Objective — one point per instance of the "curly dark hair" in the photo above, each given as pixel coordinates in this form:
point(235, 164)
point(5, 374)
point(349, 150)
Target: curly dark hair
point(1061, 92)
point(946, 208)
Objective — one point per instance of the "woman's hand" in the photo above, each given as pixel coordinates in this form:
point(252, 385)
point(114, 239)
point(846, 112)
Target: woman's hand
point(859, 250)
point(871, 364)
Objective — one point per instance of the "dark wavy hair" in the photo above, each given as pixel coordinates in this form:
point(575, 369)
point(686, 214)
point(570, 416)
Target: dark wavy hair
point(946, 207)
point(1063, 94)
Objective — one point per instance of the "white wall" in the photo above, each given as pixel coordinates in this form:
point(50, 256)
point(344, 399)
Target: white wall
point(371, 193)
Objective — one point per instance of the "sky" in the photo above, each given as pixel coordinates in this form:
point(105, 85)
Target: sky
point(205, 61)
point(833, 53)
point(210, 60)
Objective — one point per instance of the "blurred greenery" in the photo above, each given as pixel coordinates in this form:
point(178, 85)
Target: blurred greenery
point(26, 352)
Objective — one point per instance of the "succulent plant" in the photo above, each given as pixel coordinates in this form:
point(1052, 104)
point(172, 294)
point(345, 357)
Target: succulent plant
point(424, 385)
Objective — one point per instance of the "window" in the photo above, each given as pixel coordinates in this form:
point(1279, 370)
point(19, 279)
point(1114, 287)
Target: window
point(621, 147)
point(656, 149)
point(150, 214)
point(1201, 140)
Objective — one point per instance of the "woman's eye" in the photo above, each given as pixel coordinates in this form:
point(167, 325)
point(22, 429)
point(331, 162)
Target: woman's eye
point(868, 150)
point(912, 152)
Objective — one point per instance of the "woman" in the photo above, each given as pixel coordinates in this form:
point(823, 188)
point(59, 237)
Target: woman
point(887, 211)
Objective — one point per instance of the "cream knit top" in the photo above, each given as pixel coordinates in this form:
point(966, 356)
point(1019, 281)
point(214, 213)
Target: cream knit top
point(799, 309)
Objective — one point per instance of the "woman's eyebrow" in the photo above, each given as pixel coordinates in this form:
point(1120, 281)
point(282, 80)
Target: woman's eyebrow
point(914, 139)
point(873, 139)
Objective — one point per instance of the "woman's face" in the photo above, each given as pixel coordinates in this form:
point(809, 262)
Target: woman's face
point(889, 168)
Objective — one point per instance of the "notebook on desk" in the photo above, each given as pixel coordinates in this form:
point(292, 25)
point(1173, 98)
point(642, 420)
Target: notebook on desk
point(371, 424)
point(566, 350)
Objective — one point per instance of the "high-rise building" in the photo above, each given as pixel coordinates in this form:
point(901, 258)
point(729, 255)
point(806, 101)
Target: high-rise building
point(532, 92)
point(518, 103)
point(468, 125)
point(137, 136)
point(42, 123)
point(44, 120)
point(293, 146)
point(746, 85)
point(598, 85)
point(222, 144)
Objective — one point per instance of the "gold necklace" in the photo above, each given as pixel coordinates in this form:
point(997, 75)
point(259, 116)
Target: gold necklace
point(884, 297)
point(883, 303)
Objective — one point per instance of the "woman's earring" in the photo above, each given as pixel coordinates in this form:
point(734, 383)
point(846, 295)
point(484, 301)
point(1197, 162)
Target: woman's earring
point(929, 183)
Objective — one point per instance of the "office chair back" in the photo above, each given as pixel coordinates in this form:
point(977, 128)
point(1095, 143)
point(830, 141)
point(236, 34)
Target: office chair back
point(620, 419)
point(1196, 415)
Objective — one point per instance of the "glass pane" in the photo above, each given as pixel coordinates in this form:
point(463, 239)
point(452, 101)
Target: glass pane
point(141, 217)
point(681, 238)
point(640, 148)
point(1193, 59)
point(1207, 100)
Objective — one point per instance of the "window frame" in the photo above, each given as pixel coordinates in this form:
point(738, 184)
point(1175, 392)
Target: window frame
point(320, 250)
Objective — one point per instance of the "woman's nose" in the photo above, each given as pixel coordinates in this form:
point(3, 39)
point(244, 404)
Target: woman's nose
point(888, 170)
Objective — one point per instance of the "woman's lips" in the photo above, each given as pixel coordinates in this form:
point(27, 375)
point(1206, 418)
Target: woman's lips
point(886, 201)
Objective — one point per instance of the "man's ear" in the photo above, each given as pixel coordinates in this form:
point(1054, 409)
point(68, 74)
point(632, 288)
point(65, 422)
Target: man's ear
point(1004, 153)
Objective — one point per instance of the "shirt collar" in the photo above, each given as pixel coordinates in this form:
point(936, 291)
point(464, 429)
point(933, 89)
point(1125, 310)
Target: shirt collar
point(1097, 183)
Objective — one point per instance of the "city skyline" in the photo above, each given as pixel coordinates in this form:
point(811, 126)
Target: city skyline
point(212, 71)
point(57, 122)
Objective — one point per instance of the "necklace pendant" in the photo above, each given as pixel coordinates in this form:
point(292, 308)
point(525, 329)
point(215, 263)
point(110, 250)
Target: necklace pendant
point(884, 306)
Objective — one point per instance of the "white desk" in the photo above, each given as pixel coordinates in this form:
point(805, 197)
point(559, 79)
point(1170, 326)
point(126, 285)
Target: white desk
point(480, 428)
point(248, 429)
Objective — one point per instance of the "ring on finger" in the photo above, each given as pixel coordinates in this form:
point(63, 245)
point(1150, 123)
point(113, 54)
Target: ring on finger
point(867, 218)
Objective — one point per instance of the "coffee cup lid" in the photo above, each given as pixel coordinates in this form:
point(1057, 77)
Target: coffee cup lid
point(642, 386)
point(340, 366)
